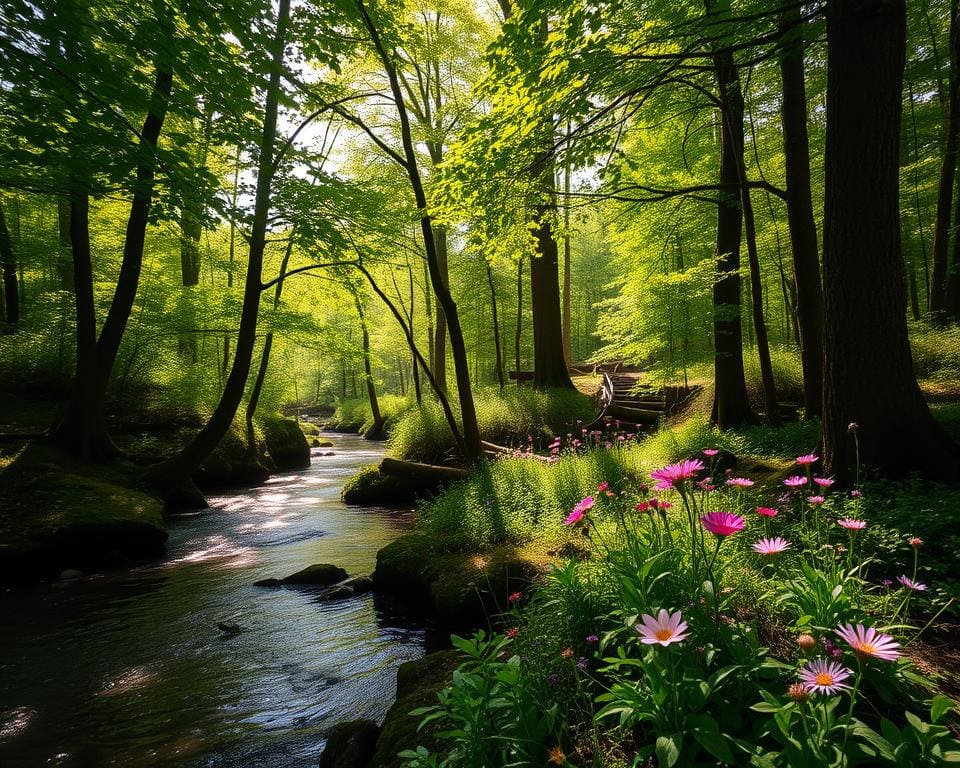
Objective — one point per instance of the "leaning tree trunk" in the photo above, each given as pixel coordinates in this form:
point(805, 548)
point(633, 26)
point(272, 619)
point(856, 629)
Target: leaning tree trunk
point(85, 409)
point(171, 474)
point(803, 228)
point(939, 278)
point(869, 378)
point(731, 404)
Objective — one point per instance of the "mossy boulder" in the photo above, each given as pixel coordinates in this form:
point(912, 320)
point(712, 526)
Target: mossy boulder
point(350, 745)
point(286, 443)
point(371, 488)
point(320, 575)
point(309, 428)
point(232, 464)
point(316, 442)
point(56, 514)
point(418, 683)
point(462, 590)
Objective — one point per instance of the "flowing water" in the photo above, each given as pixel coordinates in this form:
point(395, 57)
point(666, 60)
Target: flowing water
point(131, 669)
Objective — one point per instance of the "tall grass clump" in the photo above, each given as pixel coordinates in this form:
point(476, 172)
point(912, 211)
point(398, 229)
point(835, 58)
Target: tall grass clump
point(512, 417)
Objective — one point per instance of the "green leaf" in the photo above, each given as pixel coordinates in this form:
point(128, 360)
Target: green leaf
point(939, 707)
point(707, 732)
point(667, 751)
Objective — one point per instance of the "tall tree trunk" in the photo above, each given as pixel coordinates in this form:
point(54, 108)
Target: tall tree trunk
point(177, 470)
point(468, 413)
point(803, 228)
point(549, 366)
point(440, 332)
point(254, 400)
point(498, 363)
point(731, 404)
point(565, 302)
point(431, 356)
point(64, 265)
point(11, 289)
point(869, 376)
point(376, 431)
point(939, 280)
point(518, 336)
point(415, 370)
point(88, 396)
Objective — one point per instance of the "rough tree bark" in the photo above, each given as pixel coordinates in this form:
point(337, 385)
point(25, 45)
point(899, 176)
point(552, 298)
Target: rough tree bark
point(869, 376)
point(731, 404)
point(64, 265)
point(803, 229)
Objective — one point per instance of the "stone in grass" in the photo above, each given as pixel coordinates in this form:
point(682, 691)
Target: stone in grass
point(350, 745)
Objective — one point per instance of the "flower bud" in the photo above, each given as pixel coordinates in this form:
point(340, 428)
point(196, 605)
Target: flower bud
point(806, 642)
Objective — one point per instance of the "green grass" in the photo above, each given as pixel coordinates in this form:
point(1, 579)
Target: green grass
point(506, 418)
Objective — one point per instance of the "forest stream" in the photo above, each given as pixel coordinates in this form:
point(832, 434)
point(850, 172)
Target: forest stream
point(131, 669)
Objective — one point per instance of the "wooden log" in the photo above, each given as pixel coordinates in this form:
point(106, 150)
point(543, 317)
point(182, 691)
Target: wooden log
point(414, 470)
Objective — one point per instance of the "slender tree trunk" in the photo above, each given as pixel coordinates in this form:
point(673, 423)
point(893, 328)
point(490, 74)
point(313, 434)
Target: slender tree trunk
point(177, 470)
point(498, 364)
point(731, 404)
point(11, 290)
point(567, 337)
point(518, 336)
point(88, 396)
point(440, 332)
point(869, 376)
point(468, 414)
point(415, 370)
point(254, 400)
point(232, 253)
point(64, 265)
point(939, 279)
point(803, 229)
point(431, 354)
point(376, 431)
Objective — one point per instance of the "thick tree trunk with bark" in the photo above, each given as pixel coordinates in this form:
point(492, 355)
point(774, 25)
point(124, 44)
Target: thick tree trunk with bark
point(940, 279)
point(869, 376)
point(731, 404)
point(803, 229)
point(171, 474)
point(89, 393)
point(549, 365)
point(11, 289)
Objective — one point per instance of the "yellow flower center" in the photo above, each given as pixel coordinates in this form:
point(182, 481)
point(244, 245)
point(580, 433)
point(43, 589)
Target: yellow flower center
point(868, 648)
point(824, 678)
point(664, 634)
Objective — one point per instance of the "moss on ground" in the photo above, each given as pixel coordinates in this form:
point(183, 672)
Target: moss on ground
point(56, 514)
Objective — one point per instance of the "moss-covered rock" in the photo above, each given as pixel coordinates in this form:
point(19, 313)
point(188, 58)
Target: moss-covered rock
point(350, 745)
point(370, 488)
point(286, 443)
point(316, 442)
point(57, 514)
point(319, 574)
point(462, 590)
point(232, 464)
point(309, 428)
point(418, 683)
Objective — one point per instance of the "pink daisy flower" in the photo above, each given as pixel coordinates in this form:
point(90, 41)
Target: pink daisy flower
point(807, 458)
point(603, 486)
point(822, 676)
point(866, 641)
point(740, 482)
point(823, 482)
point(722, 523)
point(676, 473)
point(710, 452)
point(767, 511)
point(579, 511)
point(795, 481)
point(816, 500)
point(852, 525)
point(771, 546)
point(909, 583)
point(665, 629)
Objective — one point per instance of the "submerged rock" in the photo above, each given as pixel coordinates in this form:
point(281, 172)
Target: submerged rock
point(317, 575)
point(350, 745)
point(229, 628)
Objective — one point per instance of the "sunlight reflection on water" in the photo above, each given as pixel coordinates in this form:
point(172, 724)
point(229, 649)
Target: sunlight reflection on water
point(131, 669)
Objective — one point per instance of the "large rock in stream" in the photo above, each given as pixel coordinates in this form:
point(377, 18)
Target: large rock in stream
point(350, 745)
point(317, 575)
